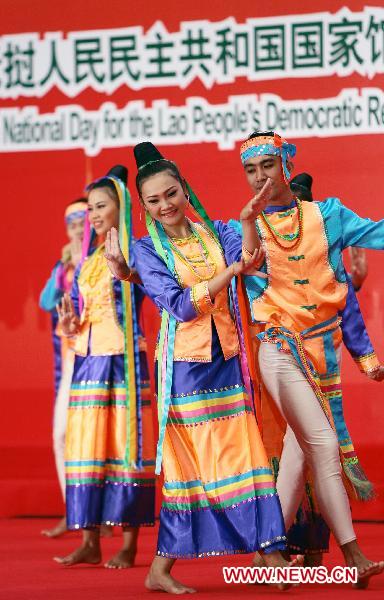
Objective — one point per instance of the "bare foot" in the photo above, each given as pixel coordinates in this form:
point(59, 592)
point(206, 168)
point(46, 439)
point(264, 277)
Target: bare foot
point(85, 554)
point(59, 529)
point(258, 560)
point(125, 559)
point(297, 562)
point(313, 560)
point(164, 582)
point(366, 568)
point(365, 573)
point(276, 559)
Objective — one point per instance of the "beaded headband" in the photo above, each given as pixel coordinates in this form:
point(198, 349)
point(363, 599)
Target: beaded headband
point(77, 210)
point(151, 162)
point(269, 143)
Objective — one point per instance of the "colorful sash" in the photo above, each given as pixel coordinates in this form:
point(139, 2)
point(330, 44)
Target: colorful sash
point(168, 322)
point(133, 450)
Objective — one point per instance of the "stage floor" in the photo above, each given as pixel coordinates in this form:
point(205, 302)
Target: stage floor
point(29, 573)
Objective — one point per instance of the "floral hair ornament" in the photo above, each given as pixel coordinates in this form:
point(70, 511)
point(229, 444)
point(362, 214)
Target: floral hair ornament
point(268, 142)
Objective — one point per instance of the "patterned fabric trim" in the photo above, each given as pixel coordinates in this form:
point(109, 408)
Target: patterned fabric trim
point(98, 472)
point(88, 394)
point(367, 363)
point(201, 299)
point(194, 495)
point(209, 406)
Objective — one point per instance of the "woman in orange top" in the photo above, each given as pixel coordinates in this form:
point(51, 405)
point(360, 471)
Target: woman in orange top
point(219, 495)
point(109, 442)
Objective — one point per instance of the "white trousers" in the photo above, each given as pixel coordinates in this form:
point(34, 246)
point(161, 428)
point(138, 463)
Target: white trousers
point(309, 440)
point(60, 417)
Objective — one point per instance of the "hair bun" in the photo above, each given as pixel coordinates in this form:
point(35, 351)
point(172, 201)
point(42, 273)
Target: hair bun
point(119, 171)
point(146, 152)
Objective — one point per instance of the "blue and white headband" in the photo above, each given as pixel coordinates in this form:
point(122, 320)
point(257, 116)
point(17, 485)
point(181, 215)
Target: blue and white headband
point(272, 144)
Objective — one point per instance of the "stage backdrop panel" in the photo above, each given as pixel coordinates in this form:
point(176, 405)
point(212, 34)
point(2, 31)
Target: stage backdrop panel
point(82, 82)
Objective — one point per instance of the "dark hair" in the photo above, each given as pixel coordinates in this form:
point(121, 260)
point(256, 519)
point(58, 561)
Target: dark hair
point(255, 134)
point(158, 166)
point(78, 200)
point(106, 184)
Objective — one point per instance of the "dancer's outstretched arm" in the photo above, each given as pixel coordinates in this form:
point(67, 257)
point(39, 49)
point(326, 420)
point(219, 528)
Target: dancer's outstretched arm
point(248, 216)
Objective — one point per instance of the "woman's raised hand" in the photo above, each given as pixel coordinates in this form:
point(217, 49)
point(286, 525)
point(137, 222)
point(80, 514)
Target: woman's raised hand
point(115, 259)
point(67, 317)
point(256, 206)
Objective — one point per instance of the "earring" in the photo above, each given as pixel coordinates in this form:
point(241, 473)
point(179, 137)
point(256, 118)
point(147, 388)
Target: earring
point(143, 210)
point(145, 216)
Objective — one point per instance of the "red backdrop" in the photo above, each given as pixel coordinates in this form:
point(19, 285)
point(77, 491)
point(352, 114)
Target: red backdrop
point(36, 186)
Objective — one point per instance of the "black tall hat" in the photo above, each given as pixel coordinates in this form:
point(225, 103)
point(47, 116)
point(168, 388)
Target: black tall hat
point(120, 172)
point(302, 184)
point(146, 152)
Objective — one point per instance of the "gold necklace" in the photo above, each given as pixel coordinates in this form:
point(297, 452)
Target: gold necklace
point(204, 253)
point(93, 267)
point(183, 241)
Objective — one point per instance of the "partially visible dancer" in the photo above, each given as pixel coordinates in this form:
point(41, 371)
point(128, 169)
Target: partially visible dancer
point(219, 495)
point(295, 312)
point(309, 531)
point(109, 442)
point(359, 267)
point(356, 338)
point(309, 534)
point(59, 283)
point(309, 526)
point(355, 335)
point(301, 185)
